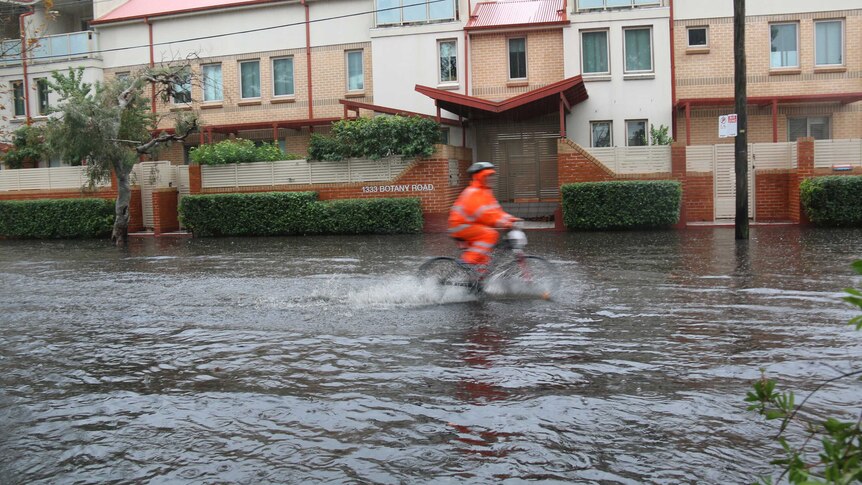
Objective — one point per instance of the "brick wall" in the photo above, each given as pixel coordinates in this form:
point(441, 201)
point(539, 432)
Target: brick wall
point(772, 194)
point(165, 218)
point(433, 170)
point(489, 69)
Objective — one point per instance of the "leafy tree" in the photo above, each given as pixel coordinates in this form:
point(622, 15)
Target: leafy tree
point(27, 146)
point(111, 126)
point(660, 135)
point(840, 459)
point(377, 137)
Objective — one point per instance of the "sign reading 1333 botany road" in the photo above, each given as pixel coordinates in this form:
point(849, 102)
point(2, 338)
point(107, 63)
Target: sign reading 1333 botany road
point(385, 189)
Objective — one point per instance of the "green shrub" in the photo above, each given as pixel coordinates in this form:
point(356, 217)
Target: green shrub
point(238, 151)
point(369, 216)
point(621, 205)
point(56, 218)
point(833, 201)
point(27, 146)
point(377, 137)
point(288, 213)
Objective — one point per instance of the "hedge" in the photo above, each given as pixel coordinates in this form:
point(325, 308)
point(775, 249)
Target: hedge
point(833, 201)
point(290, 213)
point(238, 151)
point(375, 138)
point(621, 204)
point(56, 218)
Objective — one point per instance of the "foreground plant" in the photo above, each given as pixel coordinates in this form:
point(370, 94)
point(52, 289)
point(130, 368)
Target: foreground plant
point(840, 459)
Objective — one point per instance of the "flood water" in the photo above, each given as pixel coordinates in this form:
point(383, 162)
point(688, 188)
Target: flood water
point(322, 360)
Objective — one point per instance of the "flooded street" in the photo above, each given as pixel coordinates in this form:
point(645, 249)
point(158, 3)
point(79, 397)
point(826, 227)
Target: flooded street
point(322, 360)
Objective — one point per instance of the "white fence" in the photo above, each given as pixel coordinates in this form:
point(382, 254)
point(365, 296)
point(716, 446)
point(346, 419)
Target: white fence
point(301, 172)
point(46, 178)
point(646, 159)
point(762, 156)
point(837, 152)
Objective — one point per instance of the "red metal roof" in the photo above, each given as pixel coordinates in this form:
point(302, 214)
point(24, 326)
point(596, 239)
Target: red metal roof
point(517, 13)
point(537, 102)
point(140, 9)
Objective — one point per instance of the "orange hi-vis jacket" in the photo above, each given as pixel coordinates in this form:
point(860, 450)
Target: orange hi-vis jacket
point(477, 205)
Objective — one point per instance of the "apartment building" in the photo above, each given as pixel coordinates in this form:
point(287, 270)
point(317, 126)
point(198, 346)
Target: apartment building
point(55, 40)
point(804, 63)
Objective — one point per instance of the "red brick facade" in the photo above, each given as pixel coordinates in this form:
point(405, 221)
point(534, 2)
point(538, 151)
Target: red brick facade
point(165, 217)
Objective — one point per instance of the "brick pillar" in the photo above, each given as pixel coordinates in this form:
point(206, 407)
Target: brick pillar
point(804, 170)
point(195, 181)
point(165, 210)
point(136, 211)
point(678, 171)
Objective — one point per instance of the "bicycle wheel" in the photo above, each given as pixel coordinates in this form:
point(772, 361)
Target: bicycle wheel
point(528, 275)
point(445, 275)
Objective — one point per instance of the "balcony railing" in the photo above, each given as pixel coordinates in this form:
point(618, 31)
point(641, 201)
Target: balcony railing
point(614, 4)
point(51, 48)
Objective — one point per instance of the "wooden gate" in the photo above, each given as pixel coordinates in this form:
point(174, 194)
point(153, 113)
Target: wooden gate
point(149, 176)
point(724, 168)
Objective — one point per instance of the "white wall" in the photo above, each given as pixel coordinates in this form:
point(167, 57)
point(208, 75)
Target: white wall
point(339, 31)
point(699, 9)
point(403, 61)
point(617, 98)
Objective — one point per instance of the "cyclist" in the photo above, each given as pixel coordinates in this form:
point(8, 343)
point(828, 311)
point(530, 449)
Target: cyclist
point(476, 215)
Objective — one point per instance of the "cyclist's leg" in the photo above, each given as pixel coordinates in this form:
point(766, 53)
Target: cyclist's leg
point(481, 240)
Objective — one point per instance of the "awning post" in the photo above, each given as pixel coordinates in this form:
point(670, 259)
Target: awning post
point(774, 120)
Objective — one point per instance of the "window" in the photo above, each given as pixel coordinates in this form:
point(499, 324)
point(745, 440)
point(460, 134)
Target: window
point(282, 76)
point(783, 45)
point(594, 46)
point(518, 58)
point(212, 81)
point(183, 91)
point(638, 50)
point(18, 95)
point(355, 74)
point(817, 127)
point(121, 76)
point(444, 136)
point(600, 134)
point(448, 52)
point(249, 82)
point(396, 12)
point(636, 134)
point(697, 37)
point(829, 43)
point(42, 92)
point(605, 4)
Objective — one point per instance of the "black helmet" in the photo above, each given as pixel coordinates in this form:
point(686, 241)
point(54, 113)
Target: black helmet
point(479, 166)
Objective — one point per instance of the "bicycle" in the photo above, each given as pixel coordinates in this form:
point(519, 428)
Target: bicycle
point(511, 271)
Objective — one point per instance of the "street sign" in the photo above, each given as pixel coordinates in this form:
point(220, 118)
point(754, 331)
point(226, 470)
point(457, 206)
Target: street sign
point(726, 126)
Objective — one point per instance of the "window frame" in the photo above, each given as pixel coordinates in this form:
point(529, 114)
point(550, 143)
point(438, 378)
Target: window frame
point(688, 37)
point(808, 125)
point(798, 65)
point(292, 94)
point(259, 90)
point(440, 80)
point(347, 69)
point(204, 81)
point(843, 42)
point(610, 124)
point(646, 131)
point(509, 58)
point(18, 86)
point(607, 51)
point(651, 69)
point(604, 6)
point(401, 21)
point(43, 91)
point(187, 92)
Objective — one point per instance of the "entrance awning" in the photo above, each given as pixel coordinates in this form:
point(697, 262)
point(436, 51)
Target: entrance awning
point(559, 96)
point(774, 101)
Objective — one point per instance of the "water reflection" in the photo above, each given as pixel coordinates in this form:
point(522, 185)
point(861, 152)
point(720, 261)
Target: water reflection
point(319, 360)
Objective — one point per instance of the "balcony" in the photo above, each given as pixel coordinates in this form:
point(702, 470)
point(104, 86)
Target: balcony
point(587, 5)
point(52, 48)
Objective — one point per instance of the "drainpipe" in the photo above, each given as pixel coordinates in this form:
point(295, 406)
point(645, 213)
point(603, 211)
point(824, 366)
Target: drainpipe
point(308, 59)
point(24, 62)
point(672, 76)
point(152, 64)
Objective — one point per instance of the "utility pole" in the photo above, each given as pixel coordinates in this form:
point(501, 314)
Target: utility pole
point(741, 98)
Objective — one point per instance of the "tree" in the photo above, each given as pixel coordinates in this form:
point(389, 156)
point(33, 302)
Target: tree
point(111, 127)
point(840, 459)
